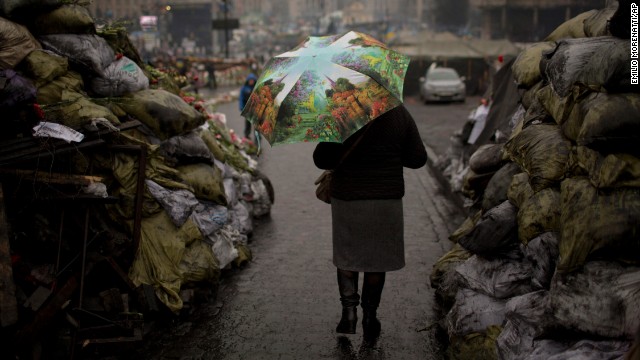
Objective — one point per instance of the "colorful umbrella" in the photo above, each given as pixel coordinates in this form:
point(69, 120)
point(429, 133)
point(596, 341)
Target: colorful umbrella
point(326, 89)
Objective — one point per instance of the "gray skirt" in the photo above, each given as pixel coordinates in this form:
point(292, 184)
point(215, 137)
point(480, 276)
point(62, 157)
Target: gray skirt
point(368, 235)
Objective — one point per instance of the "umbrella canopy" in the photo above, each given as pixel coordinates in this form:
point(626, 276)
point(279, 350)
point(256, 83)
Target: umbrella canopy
point(326, 89)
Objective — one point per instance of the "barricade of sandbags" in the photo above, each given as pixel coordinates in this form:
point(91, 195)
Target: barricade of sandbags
point(201, 192)
point(570, 177)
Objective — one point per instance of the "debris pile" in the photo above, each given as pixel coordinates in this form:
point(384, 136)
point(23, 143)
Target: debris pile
point(121, 197)
point(546, 265)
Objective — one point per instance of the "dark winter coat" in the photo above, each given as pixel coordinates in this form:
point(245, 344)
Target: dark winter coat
point(373, 170)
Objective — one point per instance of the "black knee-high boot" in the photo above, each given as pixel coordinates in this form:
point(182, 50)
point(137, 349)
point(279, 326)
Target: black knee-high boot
point(372, 286)
point(348, 286)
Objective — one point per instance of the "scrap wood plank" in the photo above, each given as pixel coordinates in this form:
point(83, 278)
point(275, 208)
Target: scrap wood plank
point(8, 302)
point(53, 178)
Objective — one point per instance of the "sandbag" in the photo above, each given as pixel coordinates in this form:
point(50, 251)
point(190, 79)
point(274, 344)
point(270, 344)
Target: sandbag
point(121, 77)
point(488, 158)
point(559, 107)
point(230, 190)
point(67, 19)
point(15, 90)
point(164, 113)
point(606, 121)
point(198, 264)
point(601, 300)
point(583, 350)
point(25, 7)
point(496, 191)
point(240, 218)
point(526, 68)
point(44, 66)
point(186, 149)
point(534, 308)
point(537, 114)
point(496, 232)
point(515, 340)
point(598, 223)
point(572, 28)
point(528, 97)
point(543, 152)
point(618, 24)
point(51, 93)
point(598, 63)
point(609, 170)
point(498, 278)
point(76, 111)
point(465, 228)
point(157, 261)
point(16, 42)
point(520, 190)
point(244, 255)
point(538, 214)
point(260, 200)
point(527, 317)
point(474, 184)
point(90, 53)
point(478, 345)
point(474, 312)
point(206, 181)
point(542, 253)
point(444, 278)
point(119, 40)
point(179, 204)
point(596, 24)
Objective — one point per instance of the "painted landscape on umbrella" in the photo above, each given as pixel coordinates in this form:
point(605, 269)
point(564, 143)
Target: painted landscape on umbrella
point(302, 97)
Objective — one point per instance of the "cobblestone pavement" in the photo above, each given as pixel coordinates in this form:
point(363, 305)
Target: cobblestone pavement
point(285, 303)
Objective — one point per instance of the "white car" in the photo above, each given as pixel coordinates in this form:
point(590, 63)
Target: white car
point(442, 84)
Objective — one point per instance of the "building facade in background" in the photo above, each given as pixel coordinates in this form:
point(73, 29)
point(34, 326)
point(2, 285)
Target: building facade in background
point(528, 20)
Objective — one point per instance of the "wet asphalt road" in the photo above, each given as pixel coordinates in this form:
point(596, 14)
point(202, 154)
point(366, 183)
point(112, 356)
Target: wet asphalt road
point(285, 303)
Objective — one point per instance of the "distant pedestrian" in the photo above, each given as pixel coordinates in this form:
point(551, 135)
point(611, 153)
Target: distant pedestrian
point(245, 92)
point(366, 208)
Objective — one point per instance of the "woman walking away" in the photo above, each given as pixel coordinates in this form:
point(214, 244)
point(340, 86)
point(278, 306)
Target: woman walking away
point(366, 209)
point(245, 92)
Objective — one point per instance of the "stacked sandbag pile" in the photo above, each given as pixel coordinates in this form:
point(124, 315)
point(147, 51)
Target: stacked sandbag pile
point(547, 266)
point(201, 189)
